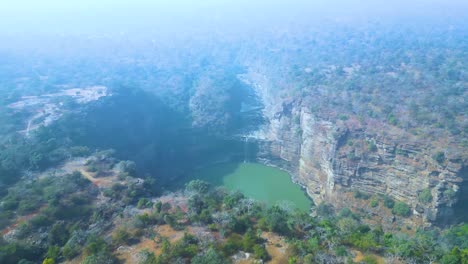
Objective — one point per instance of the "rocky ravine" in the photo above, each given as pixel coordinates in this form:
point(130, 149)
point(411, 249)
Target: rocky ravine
point(335, 159)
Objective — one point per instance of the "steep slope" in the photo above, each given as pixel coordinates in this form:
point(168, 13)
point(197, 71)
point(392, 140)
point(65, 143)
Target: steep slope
point(340, 161)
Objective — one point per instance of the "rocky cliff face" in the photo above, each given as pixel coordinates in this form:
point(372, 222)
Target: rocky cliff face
point(335, 160)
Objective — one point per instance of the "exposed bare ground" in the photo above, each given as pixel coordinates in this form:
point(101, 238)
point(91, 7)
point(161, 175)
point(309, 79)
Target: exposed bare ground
point(45, 109)
point(276, 247)
point(359, 256)
point(79, 164)
point(129, 254)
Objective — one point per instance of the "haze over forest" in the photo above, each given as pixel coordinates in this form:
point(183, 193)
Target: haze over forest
point(218, 131)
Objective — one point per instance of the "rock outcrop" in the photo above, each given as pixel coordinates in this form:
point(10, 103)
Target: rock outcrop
point(334, 159)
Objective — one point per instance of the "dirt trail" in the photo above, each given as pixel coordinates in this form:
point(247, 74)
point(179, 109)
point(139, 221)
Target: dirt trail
point(88, 176)
point(79, 164)
point(105, 182)
point(21, 220)
point(276, 247)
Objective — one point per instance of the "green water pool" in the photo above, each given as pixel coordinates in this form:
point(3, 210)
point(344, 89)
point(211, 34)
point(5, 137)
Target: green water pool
point(260, 182)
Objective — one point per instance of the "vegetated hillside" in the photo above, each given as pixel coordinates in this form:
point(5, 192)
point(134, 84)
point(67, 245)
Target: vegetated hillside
point(380, 111)
point(373, 119)
point(411, 78)
point(95, 209)
point(352, 107)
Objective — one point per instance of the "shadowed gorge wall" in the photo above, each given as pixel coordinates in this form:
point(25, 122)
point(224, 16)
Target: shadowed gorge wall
point(164, 142)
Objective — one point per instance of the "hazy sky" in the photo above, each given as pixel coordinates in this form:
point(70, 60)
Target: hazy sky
point(114, 16)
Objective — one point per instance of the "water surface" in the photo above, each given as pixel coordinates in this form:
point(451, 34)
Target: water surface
point(260, 182)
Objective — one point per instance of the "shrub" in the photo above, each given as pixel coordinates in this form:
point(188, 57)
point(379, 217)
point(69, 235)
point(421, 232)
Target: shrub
point(345, 212)
point(48, 261)
point(276, 220)
point(233, 244)
point(210, 257)
point(79, 151)
point(28, 205)
point(361, 195)
point(400, 152)
point(70, 251)
point(370, 260)
point(10, 204)
point(53, 252)
point(103, 257)
point(449, 193)
point(144, 203)
point(260, 252)
point(297, 120)
point(401, 209)
point(58, 234)
point(388, 202)
point(128, 167)
point(371, 146)
point(392, 119)
point(92, 168)
point(325, 210)
point(341, 251)
point(158, 206)
point(439, 157)
point(425, 196)
point(95, 245)
point(121, 236)
point(198, 186)
point(40, 220)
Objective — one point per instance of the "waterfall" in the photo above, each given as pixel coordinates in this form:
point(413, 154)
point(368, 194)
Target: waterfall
point(246, 149)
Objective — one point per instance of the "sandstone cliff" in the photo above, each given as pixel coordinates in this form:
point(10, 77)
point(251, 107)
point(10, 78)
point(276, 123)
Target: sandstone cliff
point(335, 159)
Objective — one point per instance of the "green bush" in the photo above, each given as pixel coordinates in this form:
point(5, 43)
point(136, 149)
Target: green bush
point(370, 260)
point(361, 195)
point(388, 202)
point(425, 196)
point(144, 203)
point(260, 252)
point(232, 245)
point(94, 245)
point(53, 252)
point(58, 235)
point(28, 206)
point(70, 251)
point(449, 193)
point(439, 157)
point(121, 236)
point(79, 151)
point(209, 257)
point(48, 261)
point(343, 117)
point(371, 146)
point(10, 204)
point(103, 257)
point(40, 220)
point(401, 209)
point(92, 168)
